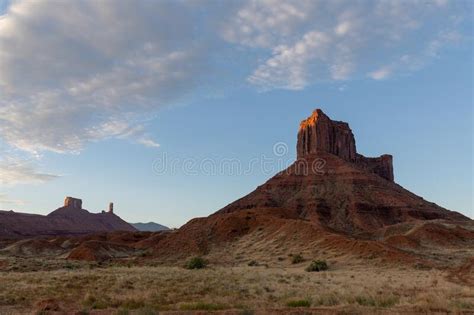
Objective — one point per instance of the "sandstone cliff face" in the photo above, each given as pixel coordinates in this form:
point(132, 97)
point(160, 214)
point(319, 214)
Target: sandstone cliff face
point(318, 133)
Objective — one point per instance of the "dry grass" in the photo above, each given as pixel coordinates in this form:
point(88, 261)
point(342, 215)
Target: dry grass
point(148, 289)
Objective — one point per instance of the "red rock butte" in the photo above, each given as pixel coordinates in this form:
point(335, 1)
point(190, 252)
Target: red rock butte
point(318, 133)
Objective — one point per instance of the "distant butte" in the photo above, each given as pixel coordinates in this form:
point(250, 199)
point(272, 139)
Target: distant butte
point(71, 219)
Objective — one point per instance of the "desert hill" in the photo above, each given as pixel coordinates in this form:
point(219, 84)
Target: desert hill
point(70, 219)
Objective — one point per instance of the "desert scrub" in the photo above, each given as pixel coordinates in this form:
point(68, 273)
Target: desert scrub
point(388, 301)
point(317, 265)
point(200, 306)
point(196, 263)
point(459, 304)
point(328, 300)
point(92, 302)
point(299, 303)
point(132, 304)
point(253, 263)
point(297, 259)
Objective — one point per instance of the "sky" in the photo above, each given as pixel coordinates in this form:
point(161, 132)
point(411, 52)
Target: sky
point(173, 109)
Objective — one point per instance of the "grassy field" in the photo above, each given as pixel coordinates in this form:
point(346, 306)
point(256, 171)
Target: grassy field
point(239, 290)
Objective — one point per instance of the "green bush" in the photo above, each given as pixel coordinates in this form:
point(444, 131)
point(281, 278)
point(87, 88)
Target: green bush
point(196, 263)
point(299, 303)
point(317, 265)
point(297, 259)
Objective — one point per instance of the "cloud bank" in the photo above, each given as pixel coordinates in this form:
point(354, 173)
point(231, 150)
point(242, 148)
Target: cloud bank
point(72, 72)
point(15, 171)
point(314, 41)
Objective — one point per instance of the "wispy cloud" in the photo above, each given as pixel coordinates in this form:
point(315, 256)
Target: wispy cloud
point(381, 73)
point(15, 171)
point(74, 72)
point(313, 41)
point(408, 63)
point(6, 202)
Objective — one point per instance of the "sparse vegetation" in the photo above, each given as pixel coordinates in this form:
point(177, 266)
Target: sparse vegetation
point(297, 259)
point(200, 306)
point(299, 303)
point(384, 301)
point(92, 302)
point(151, 289)
point(327, 300)
point(317, 265)
point(253, 263)
point(462, 305)
point(196, 263)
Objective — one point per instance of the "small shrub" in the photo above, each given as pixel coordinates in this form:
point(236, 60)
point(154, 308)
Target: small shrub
point(253, 263)
point(317, 265)
point(388, 301)
point(146, 311)
point(365, 300)
point(299, 303)
point(328, 300)
point(132, 304)
point(196, 263)
point(200, 306)
point(297, 259)
point(92, 302)
point(459, 304)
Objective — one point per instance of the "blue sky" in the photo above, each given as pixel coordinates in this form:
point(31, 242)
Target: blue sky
point(90, 104)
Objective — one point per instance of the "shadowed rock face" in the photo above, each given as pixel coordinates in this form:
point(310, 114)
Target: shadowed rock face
point(318, 133)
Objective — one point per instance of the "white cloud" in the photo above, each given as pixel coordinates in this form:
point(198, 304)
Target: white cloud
point(263, 23)
point(381, 73)
point(412, 62)
point(73, 72)
point(358, 36)
point(287, 67)
point(148, 142)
